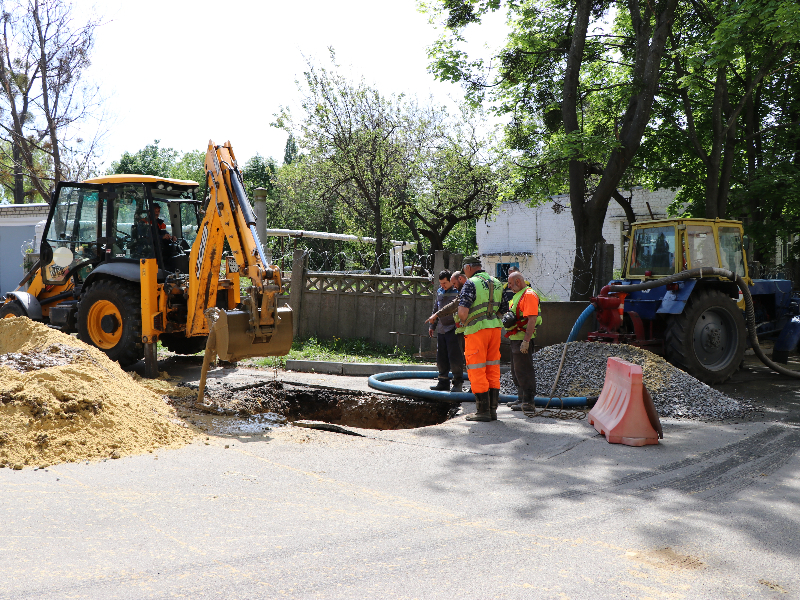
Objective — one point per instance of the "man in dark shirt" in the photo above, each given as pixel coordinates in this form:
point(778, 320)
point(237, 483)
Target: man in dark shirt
point(448, 349)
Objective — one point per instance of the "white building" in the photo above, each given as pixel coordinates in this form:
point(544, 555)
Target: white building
point(541, 240)
point(17, 228)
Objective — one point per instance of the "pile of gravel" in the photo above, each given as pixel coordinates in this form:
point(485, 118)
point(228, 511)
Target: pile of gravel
point(675, 393)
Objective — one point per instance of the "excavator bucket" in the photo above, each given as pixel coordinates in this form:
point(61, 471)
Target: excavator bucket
point(235, 342)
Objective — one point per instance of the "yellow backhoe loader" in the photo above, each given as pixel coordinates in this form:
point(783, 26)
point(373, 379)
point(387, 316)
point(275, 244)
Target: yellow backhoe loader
point(128, 260)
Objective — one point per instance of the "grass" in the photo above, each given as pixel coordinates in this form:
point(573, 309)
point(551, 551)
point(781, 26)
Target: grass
point(354, 350)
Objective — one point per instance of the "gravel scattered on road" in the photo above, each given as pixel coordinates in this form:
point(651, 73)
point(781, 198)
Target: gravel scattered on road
point(675, 393)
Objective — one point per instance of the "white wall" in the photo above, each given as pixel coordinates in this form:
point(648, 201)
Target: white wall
point(542, 240)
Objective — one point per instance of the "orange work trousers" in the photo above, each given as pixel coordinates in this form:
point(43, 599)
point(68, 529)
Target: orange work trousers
point(482, 352)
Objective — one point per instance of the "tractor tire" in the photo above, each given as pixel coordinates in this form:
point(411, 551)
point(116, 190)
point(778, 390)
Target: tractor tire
point(110, 318)
point(12, 309)
point(180, 344)
point(708, 339)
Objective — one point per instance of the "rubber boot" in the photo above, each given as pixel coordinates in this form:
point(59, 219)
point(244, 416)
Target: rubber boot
point(494, 402)
point(458, 385)
point(481, 408)
point(529, 403)
point(522, 398)
point(442, 385)
point(518, 404)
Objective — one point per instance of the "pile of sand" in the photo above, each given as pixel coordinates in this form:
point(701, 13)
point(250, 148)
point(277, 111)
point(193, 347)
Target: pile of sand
point(63, 401)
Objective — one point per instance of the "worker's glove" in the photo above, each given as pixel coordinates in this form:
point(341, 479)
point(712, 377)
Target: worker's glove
point(509, 320)
point(523, 347)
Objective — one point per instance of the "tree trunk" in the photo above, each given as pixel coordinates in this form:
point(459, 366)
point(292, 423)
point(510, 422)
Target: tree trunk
point(577, 169)
point(19, 179)
point(589, 216)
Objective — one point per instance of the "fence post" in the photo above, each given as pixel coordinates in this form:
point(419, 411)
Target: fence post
point(299, 267)
point(440, 260)
point(603, 265)
point(260, 208)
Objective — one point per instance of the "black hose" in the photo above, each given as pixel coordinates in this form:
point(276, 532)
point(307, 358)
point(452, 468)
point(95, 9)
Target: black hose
point(750, 314)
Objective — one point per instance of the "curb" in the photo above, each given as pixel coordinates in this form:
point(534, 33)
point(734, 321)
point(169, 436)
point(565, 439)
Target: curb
point(357, 369)
point(352, 369)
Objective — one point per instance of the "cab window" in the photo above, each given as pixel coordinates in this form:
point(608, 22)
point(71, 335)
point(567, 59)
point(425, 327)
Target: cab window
point(72, 232)
point(701, 245)
point(653, 249)
point(131, 231)
point(730, 249)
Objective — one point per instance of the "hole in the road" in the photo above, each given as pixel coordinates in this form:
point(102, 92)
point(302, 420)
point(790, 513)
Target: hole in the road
point(340, 407)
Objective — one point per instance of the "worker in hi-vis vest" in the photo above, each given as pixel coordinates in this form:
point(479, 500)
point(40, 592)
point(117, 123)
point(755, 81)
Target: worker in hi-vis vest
point(521, 322)
point(477, 314)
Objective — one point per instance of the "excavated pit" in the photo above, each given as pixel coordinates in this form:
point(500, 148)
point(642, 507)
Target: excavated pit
point(348, 408)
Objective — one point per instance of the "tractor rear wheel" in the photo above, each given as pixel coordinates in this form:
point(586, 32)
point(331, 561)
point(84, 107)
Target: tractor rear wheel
point(708, 339)
point(12, 308)
point(110, 318)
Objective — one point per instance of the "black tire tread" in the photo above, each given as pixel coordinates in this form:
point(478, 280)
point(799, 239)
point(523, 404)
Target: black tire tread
point(13, 308)
point(180, 344)
point(126, 296)
point(678, 340)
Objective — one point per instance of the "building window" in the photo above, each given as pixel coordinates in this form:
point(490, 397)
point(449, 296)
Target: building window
point(501, 270)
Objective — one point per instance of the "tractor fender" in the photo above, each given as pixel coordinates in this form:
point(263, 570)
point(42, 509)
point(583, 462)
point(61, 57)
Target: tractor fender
point(787, 341)
point(29, 302)
point(127, 271)
point(674, 302)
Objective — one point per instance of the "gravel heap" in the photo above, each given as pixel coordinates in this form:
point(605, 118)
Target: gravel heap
point(675, 393)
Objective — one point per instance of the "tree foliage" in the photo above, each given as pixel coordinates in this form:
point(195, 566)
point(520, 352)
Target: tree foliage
point(383, 166)
point(577, 97)
point(727, 120)
point(163, 162)
point(44, 54)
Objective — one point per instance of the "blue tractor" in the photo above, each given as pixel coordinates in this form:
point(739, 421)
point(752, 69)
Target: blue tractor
point(697, 324)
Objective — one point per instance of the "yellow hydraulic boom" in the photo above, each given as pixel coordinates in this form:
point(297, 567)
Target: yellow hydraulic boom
point(255, 326)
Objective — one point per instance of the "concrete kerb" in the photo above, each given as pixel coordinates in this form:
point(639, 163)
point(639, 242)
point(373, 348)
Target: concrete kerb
point(353, 369)
point(357, 369)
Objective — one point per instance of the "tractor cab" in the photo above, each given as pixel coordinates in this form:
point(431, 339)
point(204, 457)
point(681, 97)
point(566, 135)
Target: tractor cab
point(665, 247)
point(119, 219)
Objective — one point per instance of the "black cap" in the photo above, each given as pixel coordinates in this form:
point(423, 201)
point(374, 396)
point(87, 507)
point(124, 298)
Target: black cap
point(471, 260)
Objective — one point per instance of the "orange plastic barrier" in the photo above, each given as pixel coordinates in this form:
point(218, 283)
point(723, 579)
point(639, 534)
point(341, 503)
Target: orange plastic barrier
point(625, 412)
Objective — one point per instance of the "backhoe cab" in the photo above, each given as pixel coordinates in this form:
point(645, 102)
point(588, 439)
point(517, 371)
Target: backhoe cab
point(130, 260)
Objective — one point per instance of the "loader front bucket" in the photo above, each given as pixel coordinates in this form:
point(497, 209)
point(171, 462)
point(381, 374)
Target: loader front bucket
point(234, 342)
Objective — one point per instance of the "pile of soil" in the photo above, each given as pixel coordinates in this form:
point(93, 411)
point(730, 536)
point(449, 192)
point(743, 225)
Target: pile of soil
point(62, 400)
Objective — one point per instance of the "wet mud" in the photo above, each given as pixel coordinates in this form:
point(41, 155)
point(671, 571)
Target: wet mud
point(331, 405)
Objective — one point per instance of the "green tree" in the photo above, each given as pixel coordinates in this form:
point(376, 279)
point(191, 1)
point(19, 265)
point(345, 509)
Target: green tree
point(578, 98)
point(150, 160)
point(726, 130)
point(357, 145)
point(44, 97)
point(290, 153)
point(456, 179)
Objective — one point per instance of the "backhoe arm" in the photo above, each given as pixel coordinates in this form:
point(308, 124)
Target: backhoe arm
point(229, 217)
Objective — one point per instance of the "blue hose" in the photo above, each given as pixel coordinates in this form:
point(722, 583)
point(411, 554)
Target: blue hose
point(587, 312)
point(379, 380)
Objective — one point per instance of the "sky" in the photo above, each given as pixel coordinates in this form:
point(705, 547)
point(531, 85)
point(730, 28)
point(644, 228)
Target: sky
point(186, 72)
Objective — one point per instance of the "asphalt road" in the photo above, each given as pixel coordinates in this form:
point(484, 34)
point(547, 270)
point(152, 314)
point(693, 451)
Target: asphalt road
point(518, 508)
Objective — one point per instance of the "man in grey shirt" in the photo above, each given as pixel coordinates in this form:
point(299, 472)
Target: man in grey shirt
point(449, 356)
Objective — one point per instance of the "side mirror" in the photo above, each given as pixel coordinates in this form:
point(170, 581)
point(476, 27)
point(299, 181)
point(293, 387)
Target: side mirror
point(45, 253)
